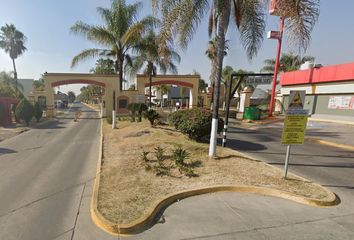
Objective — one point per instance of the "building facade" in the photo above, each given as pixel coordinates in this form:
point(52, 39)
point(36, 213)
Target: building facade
point(329, 89)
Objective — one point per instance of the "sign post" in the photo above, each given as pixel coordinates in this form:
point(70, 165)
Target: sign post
point(294, 124)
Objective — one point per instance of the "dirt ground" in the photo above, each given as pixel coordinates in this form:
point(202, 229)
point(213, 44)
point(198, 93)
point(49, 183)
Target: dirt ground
point(129, 185)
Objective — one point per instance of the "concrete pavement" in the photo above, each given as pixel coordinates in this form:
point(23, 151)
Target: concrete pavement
point(43, 176)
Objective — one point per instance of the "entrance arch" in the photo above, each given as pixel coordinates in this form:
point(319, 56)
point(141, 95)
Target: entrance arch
point(189, 81)
point(109, 82)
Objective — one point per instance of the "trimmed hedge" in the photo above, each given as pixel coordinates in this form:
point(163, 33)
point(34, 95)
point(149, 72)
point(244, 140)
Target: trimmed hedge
point(195, 122)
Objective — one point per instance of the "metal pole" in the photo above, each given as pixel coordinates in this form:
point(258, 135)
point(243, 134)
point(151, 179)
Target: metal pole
point(228, 100)
point(276, 68)
point(287, 161)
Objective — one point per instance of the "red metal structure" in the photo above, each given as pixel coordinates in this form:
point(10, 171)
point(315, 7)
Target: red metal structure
point(335, 73)
point(6, 102)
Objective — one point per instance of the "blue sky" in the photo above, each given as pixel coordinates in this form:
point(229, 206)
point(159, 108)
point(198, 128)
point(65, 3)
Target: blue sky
point(51, 46)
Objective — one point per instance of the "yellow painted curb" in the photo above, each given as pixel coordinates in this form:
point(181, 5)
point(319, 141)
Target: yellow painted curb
point(145, 221)
point(332, 144)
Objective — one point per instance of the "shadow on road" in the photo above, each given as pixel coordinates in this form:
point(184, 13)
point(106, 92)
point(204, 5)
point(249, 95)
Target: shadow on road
point(6, 151)
point(55, 124)
point(349, 165)
point(245, 145)
point(306, 155)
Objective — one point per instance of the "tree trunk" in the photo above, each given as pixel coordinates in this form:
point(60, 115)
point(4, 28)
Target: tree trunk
point(222, 28)
point(120, 66)
point(15, 76)
point(150, 82)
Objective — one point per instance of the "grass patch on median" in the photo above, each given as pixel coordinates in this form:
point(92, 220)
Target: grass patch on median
point(130, 185)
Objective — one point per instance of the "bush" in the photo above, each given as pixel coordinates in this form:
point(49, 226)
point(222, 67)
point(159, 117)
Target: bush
point(109, 119)
point(38, 113)
point(151, 115)
point(24, 111)
point(137, 108)
point(175, 118)
point(2, 114)
point(195, 122)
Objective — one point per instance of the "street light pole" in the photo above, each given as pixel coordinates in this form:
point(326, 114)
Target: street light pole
point(276, 67)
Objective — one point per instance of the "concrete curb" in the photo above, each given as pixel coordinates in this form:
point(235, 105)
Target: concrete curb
point(332, 144)
point(145, 221)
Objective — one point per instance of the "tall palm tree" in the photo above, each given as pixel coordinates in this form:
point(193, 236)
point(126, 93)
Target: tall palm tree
point(117, 36)
point(147, 55)
point(288, 62)
point(13, 43)
point(182, 17)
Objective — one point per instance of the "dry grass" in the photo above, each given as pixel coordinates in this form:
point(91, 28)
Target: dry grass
point(128, 190)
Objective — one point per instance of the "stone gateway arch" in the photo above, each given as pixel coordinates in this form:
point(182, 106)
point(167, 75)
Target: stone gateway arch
point(115, 98)
point(109, 82)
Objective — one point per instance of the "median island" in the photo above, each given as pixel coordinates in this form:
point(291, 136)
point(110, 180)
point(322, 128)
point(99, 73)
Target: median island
point(142, 165)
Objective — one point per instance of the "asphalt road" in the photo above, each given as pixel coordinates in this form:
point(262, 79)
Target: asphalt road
point(332, 167)
point(44, 174)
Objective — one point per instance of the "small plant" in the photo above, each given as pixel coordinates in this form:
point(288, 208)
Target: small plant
point(25, 111)
point(151, 115)
point(144, 155)
point(159, 154)
point(161, 169)
point(179, 156)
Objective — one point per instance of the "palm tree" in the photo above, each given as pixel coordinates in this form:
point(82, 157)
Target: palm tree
point(147, 55)
point(182, 17)
point(163, 89)
point(13, 43)
point(211, 53)
point(118, 35)
point(288, 62)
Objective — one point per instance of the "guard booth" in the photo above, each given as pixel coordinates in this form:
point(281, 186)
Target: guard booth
point(6, 108)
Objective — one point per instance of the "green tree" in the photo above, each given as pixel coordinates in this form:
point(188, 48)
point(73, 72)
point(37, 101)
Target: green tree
point(120, 32)
point(104, 66)
point(39, 84)
point(163, 89)
point(132, 87)
point(202, 84)
point(13, 43)
point(24, 111)
point(8, 85)
point(38, 112)
point(182, 17)
point(71, 96)
point(149, 58)
point(288, 62)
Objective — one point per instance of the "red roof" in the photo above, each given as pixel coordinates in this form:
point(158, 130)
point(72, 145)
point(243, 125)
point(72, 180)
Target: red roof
point(335, 73)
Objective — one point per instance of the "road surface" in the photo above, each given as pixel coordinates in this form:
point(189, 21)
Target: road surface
point(44, 174)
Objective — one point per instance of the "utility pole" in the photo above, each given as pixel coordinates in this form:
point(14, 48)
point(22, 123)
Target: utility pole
point(279, 37)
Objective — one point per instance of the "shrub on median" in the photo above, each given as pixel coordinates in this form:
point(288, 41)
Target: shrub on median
point(195, 122)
